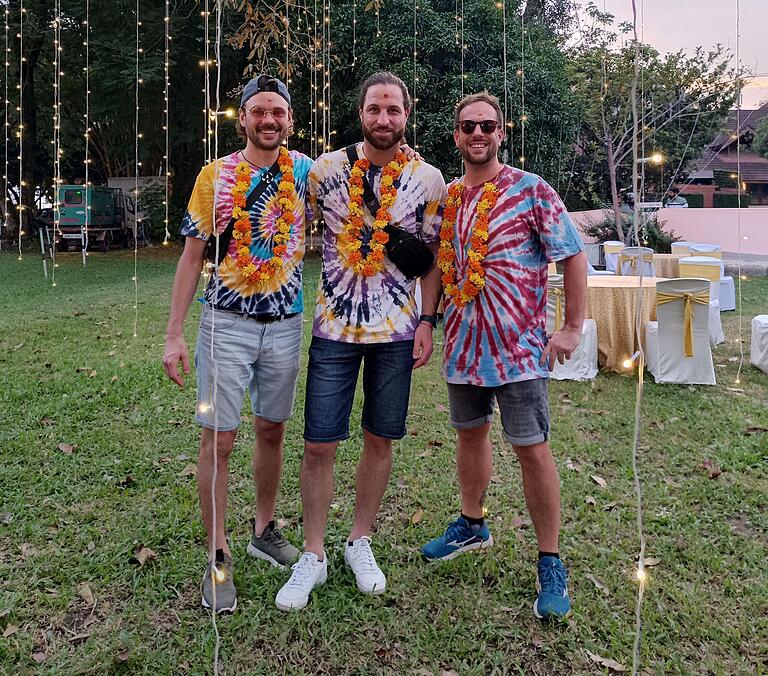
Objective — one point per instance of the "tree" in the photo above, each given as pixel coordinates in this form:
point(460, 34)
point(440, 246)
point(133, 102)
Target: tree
point(760, 142)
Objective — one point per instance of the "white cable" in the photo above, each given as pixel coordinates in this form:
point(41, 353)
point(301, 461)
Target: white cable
point(738, 178)
point(136, 185)
point(167, 120)
point(87, 219)
point(7, 123)
point(21, 123)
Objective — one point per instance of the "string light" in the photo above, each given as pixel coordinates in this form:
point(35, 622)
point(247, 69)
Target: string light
point(415, 76)
point(354, 33)
point(739, 237)
point(137, 164)
point(7, 123)
point(503, 6)
point(521, 72)
point(326, 75)
point(20, 132)
point(167, 119)
point(87, 116)
point(207, 131)
point(57, 234)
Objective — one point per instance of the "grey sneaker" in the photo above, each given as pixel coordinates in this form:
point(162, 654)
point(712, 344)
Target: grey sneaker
point(273, 547)
point(226, 595)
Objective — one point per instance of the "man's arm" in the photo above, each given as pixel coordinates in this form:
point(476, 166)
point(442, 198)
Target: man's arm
point(563, 342)
point(184, 287)
point(431, 286)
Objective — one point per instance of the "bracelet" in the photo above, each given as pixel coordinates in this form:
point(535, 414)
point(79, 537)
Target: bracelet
point(428, 319)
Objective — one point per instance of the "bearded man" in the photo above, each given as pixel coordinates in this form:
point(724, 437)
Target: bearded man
point(366, 315)
point(501, 227)
point(251, 324)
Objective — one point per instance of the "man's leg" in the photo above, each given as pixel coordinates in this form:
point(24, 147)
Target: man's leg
point(225, 442)
point(541, 486)
point(316, 492)
point(373, 472)
point(474, 462)
point(267, 467)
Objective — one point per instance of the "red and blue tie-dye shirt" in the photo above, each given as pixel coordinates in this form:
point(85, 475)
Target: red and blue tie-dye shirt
point(498, 338)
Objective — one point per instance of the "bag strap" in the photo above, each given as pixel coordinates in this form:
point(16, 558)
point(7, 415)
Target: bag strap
point(369, 197)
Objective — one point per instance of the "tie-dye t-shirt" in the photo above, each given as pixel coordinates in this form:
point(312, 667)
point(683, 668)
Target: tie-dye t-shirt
point(281, 294)
point(498, 338)
point(380, 308)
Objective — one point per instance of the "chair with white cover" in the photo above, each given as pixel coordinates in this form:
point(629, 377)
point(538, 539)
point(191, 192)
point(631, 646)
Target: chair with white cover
point(677, 343)
point(727, 290)
point(583, 362)
point(611, 250)
point(682, 249)
point(705, 267)
point(634, 258)
point(758, 353)
point(592, 272)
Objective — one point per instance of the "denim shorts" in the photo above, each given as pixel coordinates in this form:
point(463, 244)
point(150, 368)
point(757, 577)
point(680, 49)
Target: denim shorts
point(523, 404)
point(332, 380)
point(248, 354)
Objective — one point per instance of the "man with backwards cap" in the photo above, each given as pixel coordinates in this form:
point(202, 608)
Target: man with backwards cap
point(251, 324)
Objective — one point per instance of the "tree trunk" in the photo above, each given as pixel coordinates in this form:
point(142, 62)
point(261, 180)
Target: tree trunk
point(614, 190)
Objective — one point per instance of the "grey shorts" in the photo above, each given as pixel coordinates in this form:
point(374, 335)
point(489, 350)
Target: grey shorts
point(262, 357)
point(524, 409)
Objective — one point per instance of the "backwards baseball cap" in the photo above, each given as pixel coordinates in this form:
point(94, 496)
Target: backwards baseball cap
point(264, 83)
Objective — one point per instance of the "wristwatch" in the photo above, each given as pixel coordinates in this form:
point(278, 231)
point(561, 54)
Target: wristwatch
point(430, 319)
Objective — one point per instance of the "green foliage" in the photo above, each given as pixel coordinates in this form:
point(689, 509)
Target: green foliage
point(605, 229)
point(657, 238)
point(695, 200)
point(726, 201)
point(760, 142)
point(725, 179)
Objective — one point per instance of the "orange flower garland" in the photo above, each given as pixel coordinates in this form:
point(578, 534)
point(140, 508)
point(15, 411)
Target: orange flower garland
point(352, 233)
point(253, 269)
point(478, 248)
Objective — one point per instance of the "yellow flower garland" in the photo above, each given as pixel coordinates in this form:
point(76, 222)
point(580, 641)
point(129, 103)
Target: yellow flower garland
point(253, 269)
point(478, 249)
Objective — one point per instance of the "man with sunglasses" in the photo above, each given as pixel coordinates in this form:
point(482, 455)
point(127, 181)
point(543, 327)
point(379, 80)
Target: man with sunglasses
point(251, 324)
point(501, 227)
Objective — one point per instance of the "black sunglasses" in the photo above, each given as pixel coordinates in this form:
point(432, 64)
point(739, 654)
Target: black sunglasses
point(486, 126)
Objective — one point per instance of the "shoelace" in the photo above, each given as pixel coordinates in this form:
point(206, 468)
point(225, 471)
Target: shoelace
point(455, 528)
point(276, 538)
point(364, 554)
point(551, 579)
point(302, 569)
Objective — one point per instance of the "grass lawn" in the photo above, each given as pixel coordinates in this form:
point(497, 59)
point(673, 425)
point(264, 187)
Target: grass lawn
point(72, 600)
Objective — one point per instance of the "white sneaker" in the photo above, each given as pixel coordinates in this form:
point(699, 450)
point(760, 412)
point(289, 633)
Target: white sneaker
point(308, 573)
point(359, 557)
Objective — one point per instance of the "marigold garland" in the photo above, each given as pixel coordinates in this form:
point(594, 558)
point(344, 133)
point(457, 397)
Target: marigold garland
point(478, 248)
point(252, 268)
point(352, 234)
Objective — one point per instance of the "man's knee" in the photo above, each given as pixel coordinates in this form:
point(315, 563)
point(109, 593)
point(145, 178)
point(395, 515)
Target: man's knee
point(269, 431)
point(224, 441)
point(316, 453)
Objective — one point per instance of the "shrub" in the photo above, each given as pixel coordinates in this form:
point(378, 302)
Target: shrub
point(726, 201)
point(695, 200)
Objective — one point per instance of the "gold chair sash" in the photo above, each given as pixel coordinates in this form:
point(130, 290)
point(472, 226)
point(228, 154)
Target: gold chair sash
point(558, 294)
point(632, 260)
point(612, 248)
point(702, 298)
point(710, 272)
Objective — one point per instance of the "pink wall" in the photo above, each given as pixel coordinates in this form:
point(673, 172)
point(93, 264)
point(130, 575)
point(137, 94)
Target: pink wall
point(713, 226)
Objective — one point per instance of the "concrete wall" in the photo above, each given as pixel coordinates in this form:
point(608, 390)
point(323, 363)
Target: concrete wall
point(713, 226)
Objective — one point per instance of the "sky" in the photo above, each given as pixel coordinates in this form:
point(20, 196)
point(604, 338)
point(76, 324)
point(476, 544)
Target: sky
point(670, 25)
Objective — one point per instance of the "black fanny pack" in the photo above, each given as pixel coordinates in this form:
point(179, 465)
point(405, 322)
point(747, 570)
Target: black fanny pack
point(409, 254)
point(226, 237)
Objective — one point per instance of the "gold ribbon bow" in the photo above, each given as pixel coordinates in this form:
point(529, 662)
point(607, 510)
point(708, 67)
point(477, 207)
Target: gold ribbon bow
point(632, 260)
point(702, 298)
point(558, 293)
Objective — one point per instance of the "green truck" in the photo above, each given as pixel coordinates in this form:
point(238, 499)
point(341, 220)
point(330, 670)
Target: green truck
point(96, 217)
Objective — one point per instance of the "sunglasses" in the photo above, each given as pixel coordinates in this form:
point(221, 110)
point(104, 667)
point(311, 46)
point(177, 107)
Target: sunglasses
point(486, 126)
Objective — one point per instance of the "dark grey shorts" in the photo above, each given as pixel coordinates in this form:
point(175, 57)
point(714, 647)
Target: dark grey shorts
point(524, 409)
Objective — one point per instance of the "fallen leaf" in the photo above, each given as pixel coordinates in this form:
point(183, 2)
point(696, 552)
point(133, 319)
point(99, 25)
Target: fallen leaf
point(609, 506)
point(92, 374)
point(67, 448)
point(711, 467)
point(111, 353)
point(574, 466)
point(606, 662)
point(441, 408)
point(590, 500)
point(521, 522)
point(754, 430)
point(10, 630)
point(45, 421)
point(599, 584)
point(417, 516)
point(79, 637)
point(176, 423)
point(449, 672)
point(4, 612)
point(434, 443)
point(281, 523)
point(18, 346)
point(113, 379)
point(598, 480)
point(6, 518)
point(650, 562)
point(495, 479)
point(182, 457)
point(733, 359)
point(165, 459)
point(125, 483)
point(124, 655)
point(189, 470)
point(39, 657)
point(85, 593)
point(143, 554)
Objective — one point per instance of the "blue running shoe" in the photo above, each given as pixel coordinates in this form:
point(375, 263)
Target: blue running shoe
point(458, 537)
point(552, 585)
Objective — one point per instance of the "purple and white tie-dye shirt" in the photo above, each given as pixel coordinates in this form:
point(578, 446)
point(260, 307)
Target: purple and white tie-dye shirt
point(498, 338)
point(380, 308)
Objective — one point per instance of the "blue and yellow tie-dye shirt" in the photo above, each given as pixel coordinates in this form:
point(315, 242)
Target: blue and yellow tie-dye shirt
point(380, 308)
point(280, 295)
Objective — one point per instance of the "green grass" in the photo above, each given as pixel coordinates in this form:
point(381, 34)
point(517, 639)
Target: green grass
point(71, 371)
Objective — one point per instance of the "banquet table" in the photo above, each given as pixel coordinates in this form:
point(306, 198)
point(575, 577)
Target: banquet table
point(612, 303)
point(667, 265)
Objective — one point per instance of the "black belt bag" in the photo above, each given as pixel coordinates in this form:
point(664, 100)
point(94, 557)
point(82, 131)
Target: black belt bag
point(408, 253)
point(226, 237)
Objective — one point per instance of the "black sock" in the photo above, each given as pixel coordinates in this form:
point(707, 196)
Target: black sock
point(219, 556)
point(543, 554)
point(472, 521)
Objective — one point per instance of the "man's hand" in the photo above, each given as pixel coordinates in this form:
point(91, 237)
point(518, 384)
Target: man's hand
point(175, 352)
point(410, 153)
point(422, 344)
point(561, 345)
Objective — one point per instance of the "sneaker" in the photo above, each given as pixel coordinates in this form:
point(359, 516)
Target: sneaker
point(273, 547)
point(220, 577)
point(459, 537)
point(359, 557)
point(552, 585)
point(308, 573)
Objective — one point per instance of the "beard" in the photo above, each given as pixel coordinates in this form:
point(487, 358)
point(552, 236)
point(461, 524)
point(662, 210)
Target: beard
point(253, 136)
point(380, 142)
point(478, 160)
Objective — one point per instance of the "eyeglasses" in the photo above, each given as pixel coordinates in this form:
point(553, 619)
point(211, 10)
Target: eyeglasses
point(260, 113)
point(486, 126)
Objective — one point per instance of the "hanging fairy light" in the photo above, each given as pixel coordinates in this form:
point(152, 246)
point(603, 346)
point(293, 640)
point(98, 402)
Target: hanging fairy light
point(137, 164)
point(354, 33)
point(56, 140)
point(503, 6)
point(737, 380)
point(326, 75)
point(166, 112)
point(206, 64)
point(6, 27)
point(463, 49)
point(20, 132)
point(415, 75)
point(87, 117)
point(523, 116)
